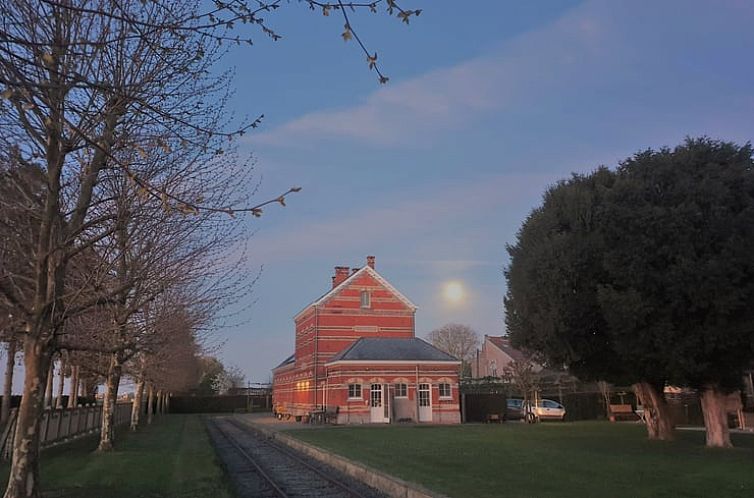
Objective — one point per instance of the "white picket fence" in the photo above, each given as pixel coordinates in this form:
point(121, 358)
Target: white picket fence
point(64, 424)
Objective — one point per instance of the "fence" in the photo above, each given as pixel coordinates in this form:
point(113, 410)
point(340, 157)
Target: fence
point(220, 404)
point(62, 424)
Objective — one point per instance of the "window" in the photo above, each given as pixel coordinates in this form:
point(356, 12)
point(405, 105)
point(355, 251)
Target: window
point(444, 390)
point(424, 397)
point(376, 396)
point(354, 391)
point(401, 391)
point(365, 299)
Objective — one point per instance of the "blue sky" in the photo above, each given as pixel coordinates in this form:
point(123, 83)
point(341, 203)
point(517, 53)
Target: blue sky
point(487, 105)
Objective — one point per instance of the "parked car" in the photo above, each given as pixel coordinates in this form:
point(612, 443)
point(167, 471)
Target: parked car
point(514, 409)
point(545, 409)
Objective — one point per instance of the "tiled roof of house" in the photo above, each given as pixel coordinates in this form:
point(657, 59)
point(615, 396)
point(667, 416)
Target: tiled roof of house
point(380, 349)
point(504, 344)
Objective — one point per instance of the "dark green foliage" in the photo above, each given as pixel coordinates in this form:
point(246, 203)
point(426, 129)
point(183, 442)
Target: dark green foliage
point(645, 273)
point(553, 281)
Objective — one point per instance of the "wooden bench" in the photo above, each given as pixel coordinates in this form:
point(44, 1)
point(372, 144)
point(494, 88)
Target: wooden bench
point(622, 411)
point(328, 415)
point(494, 417)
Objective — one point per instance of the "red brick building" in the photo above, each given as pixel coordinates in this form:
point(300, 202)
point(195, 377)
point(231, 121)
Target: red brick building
point(356, 354)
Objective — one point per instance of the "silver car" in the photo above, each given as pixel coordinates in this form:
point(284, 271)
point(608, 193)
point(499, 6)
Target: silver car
point(546, 409)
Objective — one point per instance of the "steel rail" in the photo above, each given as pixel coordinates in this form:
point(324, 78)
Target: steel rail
point(245, 428)
point(250, 459)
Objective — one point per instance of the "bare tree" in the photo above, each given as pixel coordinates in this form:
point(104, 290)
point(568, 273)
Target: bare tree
point(606, 391)
point(81, 84)
point(523, 374)
point(460, 341)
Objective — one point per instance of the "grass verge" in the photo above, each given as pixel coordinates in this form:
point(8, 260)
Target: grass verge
point(580, 459)
point(171, 458)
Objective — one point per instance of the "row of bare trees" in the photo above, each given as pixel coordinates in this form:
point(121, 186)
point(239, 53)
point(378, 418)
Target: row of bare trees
point(121, 188)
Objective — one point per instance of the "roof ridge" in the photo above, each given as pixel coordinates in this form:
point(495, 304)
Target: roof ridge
point(345, 351)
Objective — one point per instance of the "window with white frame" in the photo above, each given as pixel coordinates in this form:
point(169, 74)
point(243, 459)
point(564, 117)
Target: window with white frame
point(354, 391)
point(444, 390)
point(365, 300)
point(401, 391)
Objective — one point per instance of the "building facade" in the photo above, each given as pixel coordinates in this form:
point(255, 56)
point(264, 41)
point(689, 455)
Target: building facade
point(356, 356)
point(495, 356)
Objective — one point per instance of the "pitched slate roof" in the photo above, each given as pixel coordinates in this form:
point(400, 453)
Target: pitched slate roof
point(366, 269)
point(409, 349)
point(286, 361)
point(504, 344)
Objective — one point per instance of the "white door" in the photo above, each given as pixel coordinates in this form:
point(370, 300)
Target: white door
point(425, 403)
point(386, 402)
point(376, 412)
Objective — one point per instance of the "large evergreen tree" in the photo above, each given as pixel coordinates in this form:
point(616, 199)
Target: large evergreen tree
point(645, 275)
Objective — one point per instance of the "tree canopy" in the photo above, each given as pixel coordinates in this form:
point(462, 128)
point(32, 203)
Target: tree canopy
point(644, 273)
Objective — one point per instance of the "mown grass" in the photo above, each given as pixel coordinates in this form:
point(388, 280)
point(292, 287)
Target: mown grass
point(171, 458)
point(580, 459)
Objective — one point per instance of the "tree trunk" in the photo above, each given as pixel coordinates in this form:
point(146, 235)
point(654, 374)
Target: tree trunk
point(73, 396)
point(10, 364)
point(136, 407)
point(605, 390)
point(24, 475)
point(61, 385)
point(107, 431)
point(48, 389)
point(656, 413)
point(159, 402)
point(167, 403)
point(715, 417)
point(150, 404)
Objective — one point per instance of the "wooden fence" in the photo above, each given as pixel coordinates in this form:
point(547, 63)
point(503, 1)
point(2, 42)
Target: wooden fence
point(63, 424)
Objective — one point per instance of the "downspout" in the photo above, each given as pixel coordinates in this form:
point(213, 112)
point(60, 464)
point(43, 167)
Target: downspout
point(416, 393)
point(327, 387)
point(316, 349)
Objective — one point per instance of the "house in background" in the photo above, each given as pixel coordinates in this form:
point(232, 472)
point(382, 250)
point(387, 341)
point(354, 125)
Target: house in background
point(356, 356)
point(496, 354)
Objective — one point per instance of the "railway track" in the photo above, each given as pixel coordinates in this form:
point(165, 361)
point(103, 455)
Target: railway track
point(263, 468)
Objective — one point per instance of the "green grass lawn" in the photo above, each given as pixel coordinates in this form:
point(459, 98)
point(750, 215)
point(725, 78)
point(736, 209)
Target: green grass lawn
point(580, 459)
point(171, 458)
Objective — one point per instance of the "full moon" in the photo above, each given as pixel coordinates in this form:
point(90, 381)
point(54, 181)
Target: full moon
point(453, 292)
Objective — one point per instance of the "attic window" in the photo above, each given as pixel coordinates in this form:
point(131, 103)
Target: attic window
point(365, 301)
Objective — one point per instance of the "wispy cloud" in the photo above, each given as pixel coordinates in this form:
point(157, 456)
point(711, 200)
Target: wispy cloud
point(448, 98)
point(427, 216)
point(600, 54)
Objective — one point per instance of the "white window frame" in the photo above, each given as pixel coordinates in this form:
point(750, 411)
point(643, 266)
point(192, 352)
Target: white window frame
point(401, 387)
point(365, 303)
point(360, 396)
point(450, 390)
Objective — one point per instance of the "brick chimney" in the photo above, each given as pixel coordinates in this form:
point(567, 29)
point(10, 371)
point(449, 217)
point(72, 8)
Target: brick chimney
point(341, 273)
point(370, 262)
